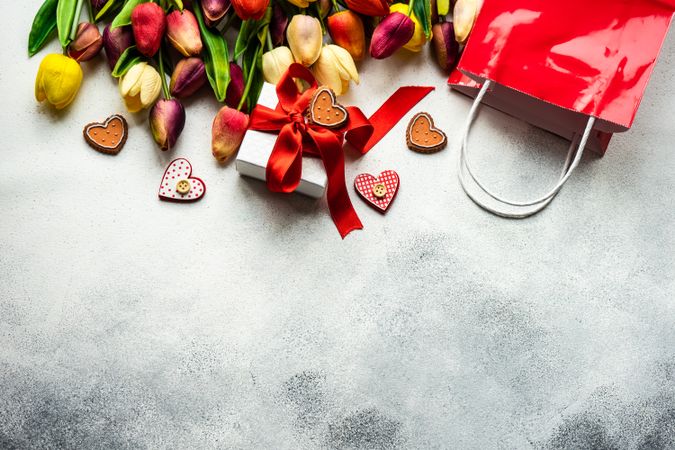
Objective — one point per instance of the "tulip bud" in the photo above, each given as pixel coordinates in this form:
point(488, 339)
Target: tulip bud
point(444, 45)
point(87, 42)
point(236, 87)
point(140, 86)
point(305, 39)
point(464, 17)
point(374, 8)
point(58, 80)
point(325, 7)
point(250, 9)
point(215, 10)
point(334, 68)
point(167, 119)
point(391, 34)
point(115, 41)
point(148, 23)
point(278, 25)
point(229, 127)
point(187, 77)
point(275, 63)
point(418, 39)
point(182, 31)
point(346, 30)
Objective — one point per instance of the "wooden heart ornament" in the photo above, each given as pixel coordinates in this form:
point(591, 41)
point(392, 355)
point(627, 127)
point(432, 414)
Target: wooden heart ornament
point(422, 136)
point(378, 192)
point(324, 109)
point(178, 184)
point(107, 137)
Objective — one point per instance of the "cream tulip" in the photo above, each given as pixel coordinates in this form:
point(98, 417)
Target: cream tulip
point(275, 63)
point(304, 38)
point(140, 87)
point(335, 68)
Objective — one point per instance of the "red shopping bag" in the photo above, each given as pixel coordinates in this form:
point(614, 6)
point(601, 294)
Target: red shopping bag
point(563, 66)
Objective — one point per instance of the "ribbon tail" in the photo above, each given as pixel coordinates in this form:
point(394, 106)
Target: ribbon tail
point(388, 115)
point(340, 205)
point(284, 167)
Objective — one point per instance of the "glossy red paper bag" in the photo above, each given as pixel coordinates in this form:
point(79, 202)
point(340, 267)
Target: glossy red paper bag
point(590, 58)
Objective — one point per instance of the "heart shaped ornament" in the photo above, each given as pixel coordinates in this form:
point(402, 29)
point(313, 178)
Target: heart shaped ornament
point(324, 109)
point(422, 136)
point(107, 137)
point(379, 191)
point(178, 184)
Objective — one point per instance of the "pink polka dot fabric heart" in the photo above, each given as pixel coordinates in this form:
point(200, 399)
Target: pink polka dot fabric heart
point(378, 192)
point(178, 184)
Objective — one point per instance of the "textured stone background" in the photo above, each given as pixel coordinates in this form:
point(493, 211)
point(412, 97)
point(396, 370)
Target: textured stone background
point(243, 321)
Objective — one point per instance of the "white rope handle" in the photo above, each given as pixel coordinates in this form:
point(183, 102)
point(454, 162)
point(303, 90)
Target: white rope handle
point(536, 205)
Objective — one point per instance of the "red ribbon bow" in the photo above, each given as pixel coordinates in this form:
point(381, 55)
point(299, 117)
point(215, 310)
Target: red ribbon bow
point(297, 136)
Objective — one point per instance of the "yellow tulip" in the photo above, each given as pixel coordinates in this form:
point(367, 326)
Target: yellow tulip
point(418, 40)
point(58, 80)
point(140, 87)
point(335, 68)
point(304, 38)
point(275, 63)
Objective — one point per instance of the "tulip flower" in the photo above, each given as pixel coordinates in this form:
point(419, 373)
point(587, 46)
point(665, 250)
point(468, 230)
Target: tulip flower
point(334, 68)
point(235, 89)
point(305, 38)
point(278, 25)
point(369, 7)
point(182, 31)
point(250, 9)
point(391, 34)
point(87, 42)
point(148, 23)
point(229, 128)
point(167, 119)
point(275, 63)
point(418, 39)
point(464, 17)
point(325, 7)
point(140, 86)
point(444, 45)
point(346, 30)
point(187, 77)
point(215, 10)
point(115, 41)
point(58, 80)
point(96, 5)
point(301, 3)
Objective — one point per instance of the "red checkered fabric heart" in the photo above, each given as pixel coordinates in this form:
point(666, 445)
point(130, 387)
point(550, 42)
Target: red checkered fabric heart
point(370, 188)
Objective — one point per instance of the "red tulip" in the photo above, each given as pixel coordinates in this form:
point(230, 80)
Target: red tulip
point(148, 23)
point(229, 128)
point(391, 34)
point(369, 7)
point(236, 87)
point(250, 9)
point(278, 25)
point(346, 30)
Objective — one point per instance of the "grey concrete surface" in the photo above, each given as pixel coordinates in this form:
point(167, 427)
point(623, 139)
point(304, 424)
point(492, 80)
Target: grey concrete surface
point(244, 322)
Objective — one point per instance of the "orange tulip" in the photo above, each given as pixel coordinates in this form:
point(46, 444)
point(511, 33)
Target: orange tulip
point(346, 30)
point(369, 7)
point(250, 9)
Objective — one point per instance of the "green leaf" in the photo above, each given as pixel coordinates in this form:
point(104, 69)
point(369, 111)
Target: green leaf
point(44, 25)
point(124, 16)
point(178, 4)
point(65, 16)
point(128, 59)
point(246, 31)
point(422, 10)
point(216, 58)
point(110, 6)
point(443, 7)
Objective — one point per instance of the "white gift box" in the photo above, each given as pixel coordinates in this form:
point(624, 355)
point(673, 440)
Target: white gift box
point(257, 146)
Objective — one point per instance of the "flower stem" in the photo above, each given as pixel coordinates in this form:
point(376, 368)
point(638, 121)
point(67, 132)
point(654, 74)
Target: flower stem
point(335, 6)
point(270, 46)
point(90, 10)
point(410, 7)
point(228, 23)
point(249, 78)
point(162, 75)
point(76, 20)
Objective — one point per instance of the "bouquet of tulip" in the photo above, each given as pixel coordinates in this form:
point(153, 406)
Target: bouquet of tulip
point(145, 40)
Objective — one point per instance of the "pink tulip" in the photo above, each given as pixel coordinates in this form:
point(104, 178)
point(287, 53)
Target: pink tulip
point(215, 10)
point(148, 23)
point(182, 31)
point(115, 41)
point(229, 128)
point(87, 42)
point(167, 119)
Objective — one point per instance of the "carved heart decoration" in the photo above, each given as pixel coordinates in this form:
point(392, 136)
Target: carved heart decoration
point(178, 184)
point(423, 137)
point(378, 192)
point(324, 110)
point(107, 137)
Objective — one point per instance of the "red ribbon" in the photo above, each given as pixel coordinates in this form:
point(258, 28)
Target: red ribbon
point(298, 137)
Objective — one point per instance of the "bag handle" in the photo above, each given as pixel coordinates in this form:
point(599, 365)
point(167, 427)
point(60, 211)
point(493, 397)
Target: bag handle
point(536, 205)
